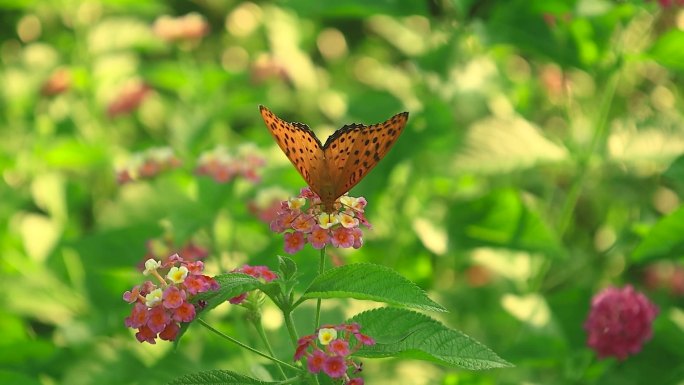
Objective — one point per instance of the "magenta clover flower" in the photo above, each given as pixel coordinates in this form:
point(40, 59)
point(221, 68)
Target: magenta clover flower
point(619, 322)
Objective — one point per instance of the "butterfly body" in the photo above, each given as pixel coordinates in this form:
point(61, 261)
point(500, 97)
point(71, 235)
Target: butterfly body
point(333, 168)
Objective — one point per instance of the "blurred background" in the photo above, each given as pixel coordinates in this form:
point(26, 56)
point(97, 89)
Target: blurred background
point(541, 163)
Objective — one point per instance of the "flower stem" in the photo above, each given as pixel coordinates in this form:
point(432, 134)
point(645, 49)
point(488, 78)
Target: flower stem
point(262, 333)
point(321, 268)
point(291, 328)
point(251, 349)
point(597, 145)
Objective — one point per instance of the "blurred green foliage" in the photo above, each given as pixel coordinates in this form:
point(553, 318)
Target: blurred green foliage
point(542, 161)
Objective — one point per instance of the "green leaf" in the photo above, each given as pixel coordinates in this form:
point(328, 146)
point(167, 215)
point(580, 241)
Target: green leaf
point(675, 174)
point(222, 377)
point(517, 23)
point(288, 267)
point(668, 50)
point(407, 334)
point(370, 282)
point(356, 8)
point(665, 240)
point(501, 219)
point(10, 377)
point(232, 285)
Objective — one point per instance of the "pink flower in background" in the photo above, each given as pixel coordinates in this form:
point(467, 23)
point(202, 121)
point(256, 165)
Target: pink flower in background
point(223, 166)
point(266, 68)
point(192, 26)
point(129, 98)
point(58, 82)
point(665, 275)
point(670, 3)
point(262, 273)
point(619, 322)
point(147, 164)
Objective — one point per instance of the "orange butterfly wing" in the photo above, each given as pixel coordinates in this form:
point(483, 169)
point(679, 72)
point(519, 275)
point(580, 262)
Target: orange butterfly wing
point(301, 146)
point(353, 150)
point(347, 156)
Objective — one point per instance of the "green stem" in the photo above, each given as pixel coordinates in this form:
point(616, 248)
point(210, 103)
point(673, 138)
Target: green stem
point(251, 349)
point(597, 141)
point(321, 268)
point(262, 333)
point(291, 328)
point(292, 380)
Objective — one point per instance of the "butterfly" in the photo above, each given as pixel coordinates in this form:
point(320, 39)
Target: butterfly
point(333, 168)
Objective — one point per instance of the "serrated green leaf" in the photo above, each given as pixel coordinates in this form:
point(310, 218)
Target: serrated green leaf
point(231, 285)
point(665, 240)
point(405, 333)
point(371, 282)
point(287, 267)
point(222, 377)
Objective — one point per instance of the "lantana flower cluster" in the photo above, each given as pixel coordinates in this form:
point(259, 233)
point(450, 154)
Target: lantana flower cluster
point(259, 272)
point(620, 321)
point(148, 164)
point(302, 220)
point(159, 308)
point(329, 350)
point(223, 166)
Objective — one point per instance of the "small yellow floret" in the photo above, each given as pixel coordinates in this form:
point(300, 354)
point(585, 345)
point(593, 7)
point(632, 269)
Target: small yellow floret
point(296, 203)
point(326, 335)
point(177, 274)
point(347, 201)
point(154, 297)
point(327, 221)
point(150, 266)
point(348, 221)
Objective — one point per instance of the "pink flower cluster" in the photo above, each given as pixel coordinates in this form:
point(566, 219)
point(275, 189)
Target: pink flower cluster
point(266, 204)
point(303, 221)
point(670, 3)
point(58, 82)
point(259, 272)
point(192, 26)
point(619, 322)
point(222, 166)
point(665, 275)
point(334, 358)
point(129, 98)
point(148, 164)
point(158, 309)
